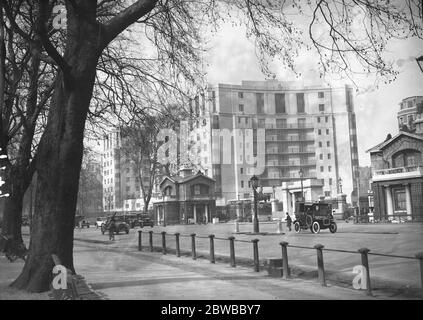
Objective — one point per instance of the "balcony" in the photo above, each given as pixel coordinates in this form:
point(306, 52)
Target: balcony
point(398, 173)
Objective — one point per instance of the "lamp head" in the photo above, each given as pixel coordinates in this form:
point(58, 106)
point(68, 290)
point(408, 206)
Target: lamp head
point(254, 181)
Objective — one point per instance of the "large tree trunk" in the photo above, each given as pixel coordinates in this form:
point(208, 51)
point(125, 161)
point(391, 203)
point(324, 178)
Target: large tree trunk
point(59, 157)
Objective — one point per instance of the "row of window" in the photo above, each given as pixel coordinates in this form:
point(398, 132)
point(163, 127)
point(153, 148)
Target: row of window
point(320, 94)
point(329, 156)
point(319, 132)
point(321, 144)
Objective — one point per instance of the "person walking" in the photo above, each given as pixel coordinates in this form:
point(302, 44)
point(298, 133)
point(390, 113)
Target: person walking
point(288, 221)
point(112, 228)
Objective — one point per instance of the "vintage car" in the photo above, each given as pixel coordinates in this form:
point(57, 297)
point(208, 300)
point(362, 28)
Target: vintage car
point(100, 221)
point(81, 222)
point(314, 216)
point(121, 225)
point(145, 220)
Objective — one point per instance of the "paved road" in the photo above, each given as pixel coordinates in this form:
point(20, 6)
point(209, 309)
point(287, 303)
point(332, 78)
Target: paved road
point(404, 240)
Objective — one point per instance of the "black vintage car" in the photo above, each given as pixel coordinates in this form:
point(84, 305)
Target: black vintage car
point(144, 220)
point(314, 216)
point(120, 225)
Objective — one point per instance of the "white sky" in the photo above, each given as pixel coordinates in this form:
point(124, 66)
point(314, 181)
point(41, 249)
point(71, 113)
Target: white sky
point(232, 59)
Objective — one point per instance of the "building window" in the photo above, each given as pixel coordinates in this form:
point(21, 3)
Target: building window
point(249, 184)
point(328, 143)
point(320, 144)
point(281, 123)
point(239, 119)
point(300, 103)
point(327, 193)
point(280, 103)
point(330, 181)
point(242, 183)
point(329, 168)
point(400, 200)
point(326, 119)
point(197, 189)
point(327, 131)
point(215, 122)
point(242, 170)
point(241, 108)
point(261, 123)
point(329, 156)
point(319, 132)
point(321, 169)
point(318, 119)
point(240, 95)
point(321, 156)
point(321, 107)
point(260, 102)
point(320, 95)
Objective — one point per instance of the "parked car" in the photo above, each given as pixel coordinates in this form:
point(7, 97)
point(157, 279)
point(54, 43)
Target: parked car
point(314, 216)
point(145, 220)
point(81, 222)
point(121, 225)
point(100, 221)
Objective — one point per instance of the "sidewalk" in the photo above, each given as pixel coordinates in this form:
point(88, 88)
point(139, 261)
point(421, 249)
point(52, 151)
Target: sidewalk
point(153, 276)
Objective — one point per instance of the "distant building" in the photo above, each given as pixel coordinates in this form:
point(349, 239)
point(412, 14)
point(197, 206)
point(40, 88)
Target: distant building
point(397, 174)
point(308, 128)
point(409, 113)
point(121, 186)
point(187, 198)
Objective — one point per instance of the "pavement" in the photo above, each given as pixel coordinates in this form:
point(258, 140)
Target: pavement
point(130, 275)
point(117, 270)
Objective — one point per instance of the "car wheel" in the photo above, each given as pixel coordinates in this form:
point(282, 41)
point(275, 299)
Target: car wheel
point(315, 227)
point(333, 227)
point(297, 227)
point(309, 221)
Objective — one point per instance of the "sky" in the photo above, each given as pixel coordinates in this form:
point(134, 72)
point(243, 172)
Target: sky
point(232, 59)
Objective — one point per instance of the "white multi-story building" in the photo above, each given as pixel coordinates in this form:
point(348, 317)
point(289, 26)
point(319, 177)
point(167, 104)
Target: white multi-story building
point(307, 128)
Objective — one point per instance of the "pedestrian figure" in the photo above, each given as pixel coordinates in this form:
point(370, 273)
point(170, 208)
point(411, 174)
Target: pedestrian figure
point(288, 221)
point(112, 228)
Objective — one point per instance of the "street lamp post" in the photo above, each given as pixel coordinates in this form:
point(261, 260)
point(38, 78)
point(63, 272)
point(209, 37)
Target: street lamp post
point(254, 184)
point(340, 185)
point(301, 173)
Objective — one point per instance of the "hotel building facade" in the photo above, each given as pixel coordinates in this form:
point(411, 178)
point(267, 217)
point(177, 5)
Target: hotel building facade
point(307, 129)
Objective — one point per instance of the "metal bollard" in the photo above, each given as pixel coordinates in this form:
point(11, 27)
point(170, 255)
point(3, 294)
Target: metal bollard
point(365, 263)
point(236, 227)
point(256, 255)
point(284, 246)
point(151, 241)
point(232, 251)
point(193, 253)
point(139, 240)
point(212, 259)
point(164, 242)
point(420, 257)
point(178, 250)
point(320, 265)
point(279, 226)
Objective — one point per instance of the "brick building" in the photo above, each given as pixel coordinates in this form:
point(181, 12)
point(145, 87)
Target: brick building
point(397, 170)
point(187, 198)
